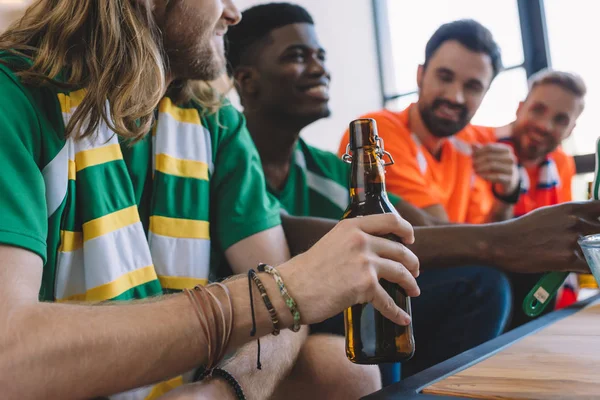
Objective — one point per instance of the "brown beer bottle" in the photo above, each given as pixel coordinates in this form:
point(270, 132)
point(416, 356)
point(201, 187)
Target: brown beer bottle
point(370, 337)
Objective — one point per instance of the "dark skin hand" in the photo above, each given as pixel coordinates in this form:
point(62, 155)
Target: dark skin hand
point(543, 240)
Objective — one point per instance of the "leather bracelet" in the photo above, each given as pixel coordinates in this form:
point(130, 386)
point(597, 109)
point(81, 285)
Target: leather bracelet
point(512, 198)
point(216, 322)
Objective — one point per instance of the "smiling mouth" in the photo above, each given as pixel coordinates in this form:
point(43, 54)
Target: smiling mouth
point(450, 113)
point(536, 137)
point(320, 91)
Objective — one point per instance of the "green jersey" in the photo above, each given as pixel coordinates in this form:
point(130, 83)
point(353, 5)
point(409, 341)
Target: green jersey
point(317, 184)
point(112, 220)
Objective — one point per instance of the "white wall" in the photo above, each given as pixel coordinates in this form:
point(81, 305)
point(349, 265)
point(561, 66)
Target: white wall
point(11, 10)
point(346, 31)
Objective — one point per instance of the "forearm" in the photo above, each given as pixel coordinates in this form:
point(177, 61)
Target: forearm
point(106, 349)
point(98, 350)
point(501, 211)
point(278, 355)
point(453, 245)
point(417, 216)
point(436, 247)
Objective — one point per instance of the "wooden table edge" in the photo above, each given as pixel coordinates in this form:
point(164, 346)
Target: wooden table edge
point(410, 389)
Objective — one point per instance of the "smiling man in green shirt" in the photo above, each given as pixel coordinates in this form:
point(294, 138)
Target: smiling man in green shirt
point(279, 68)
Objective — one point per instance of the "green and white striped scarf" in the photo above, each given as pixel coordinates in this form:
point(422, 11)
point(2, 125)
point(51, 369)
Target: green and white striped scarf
point(104, 252)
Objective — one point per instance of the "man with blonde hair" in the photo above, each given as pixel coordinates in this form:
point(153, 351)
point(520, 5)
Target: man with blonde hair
point(122, 181)
point(545, 118)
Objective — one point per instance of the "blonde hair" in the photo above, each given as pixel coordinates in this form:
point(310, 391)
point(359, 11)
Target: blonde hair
point(201, 92)
point(110, 47)
point(566, 80)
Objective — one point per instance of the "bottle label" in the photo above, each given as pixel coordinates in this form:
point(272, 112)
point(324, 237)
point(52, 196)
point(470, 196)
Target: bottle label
point(541, 295)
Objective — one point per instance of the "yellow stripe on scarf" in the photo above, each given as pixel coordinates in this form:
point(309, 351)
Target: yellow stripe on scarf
point(180, 167)
point(99, 155)
point(112, 289)
point(189, 115)
point(179, 228)
point(180, 283)
point(110, 223)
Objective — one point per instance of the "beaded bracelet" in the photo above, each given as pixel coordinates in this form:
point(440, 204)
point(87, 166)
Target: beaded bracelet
point(289, 301)
point(267, 301)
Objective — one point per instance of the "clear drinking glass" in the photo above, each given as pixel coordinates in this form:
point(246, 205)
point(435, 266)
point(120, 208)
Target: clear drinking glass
point(591, 250)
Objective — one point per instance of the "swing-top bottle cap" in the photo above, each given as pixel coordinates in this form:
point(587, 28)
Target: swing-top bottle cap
point(363, 132)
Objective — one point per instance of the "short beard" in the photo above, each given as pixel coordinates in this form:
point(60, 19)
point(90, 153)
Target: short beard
point(439, 127)
point(198, 64)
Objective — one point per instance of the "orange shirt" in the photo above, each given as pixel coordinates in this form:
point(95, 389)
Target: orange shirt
point(545, 184)
point(421, 179)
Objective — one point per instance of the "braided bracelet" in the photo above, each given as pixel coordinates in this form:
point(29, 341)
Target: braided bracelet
point(221, 373)
point(231, 381)
point(289, 301)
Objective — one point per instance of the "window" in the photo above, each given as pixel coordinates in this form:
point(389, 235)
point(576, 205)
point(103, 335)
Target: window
point(501, 101)
point(569, 24)
point(410, 24)
point(557, 25)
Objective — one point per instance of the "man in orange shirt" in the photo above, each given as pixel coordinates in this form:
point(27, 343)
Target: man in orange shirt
point(544, 119)
point(444, 165)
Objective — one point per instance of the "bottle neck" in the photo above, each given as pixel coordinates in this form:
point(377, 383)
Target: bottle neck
point(367, 177)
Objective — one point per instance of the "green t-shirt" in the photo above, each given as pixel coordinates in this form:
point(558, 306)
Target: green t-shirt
point(317, 184)
point(45, 215)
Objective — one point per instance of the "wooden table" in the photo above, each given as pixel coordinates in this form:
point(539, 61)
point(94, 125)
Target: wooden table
point(556, 356)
